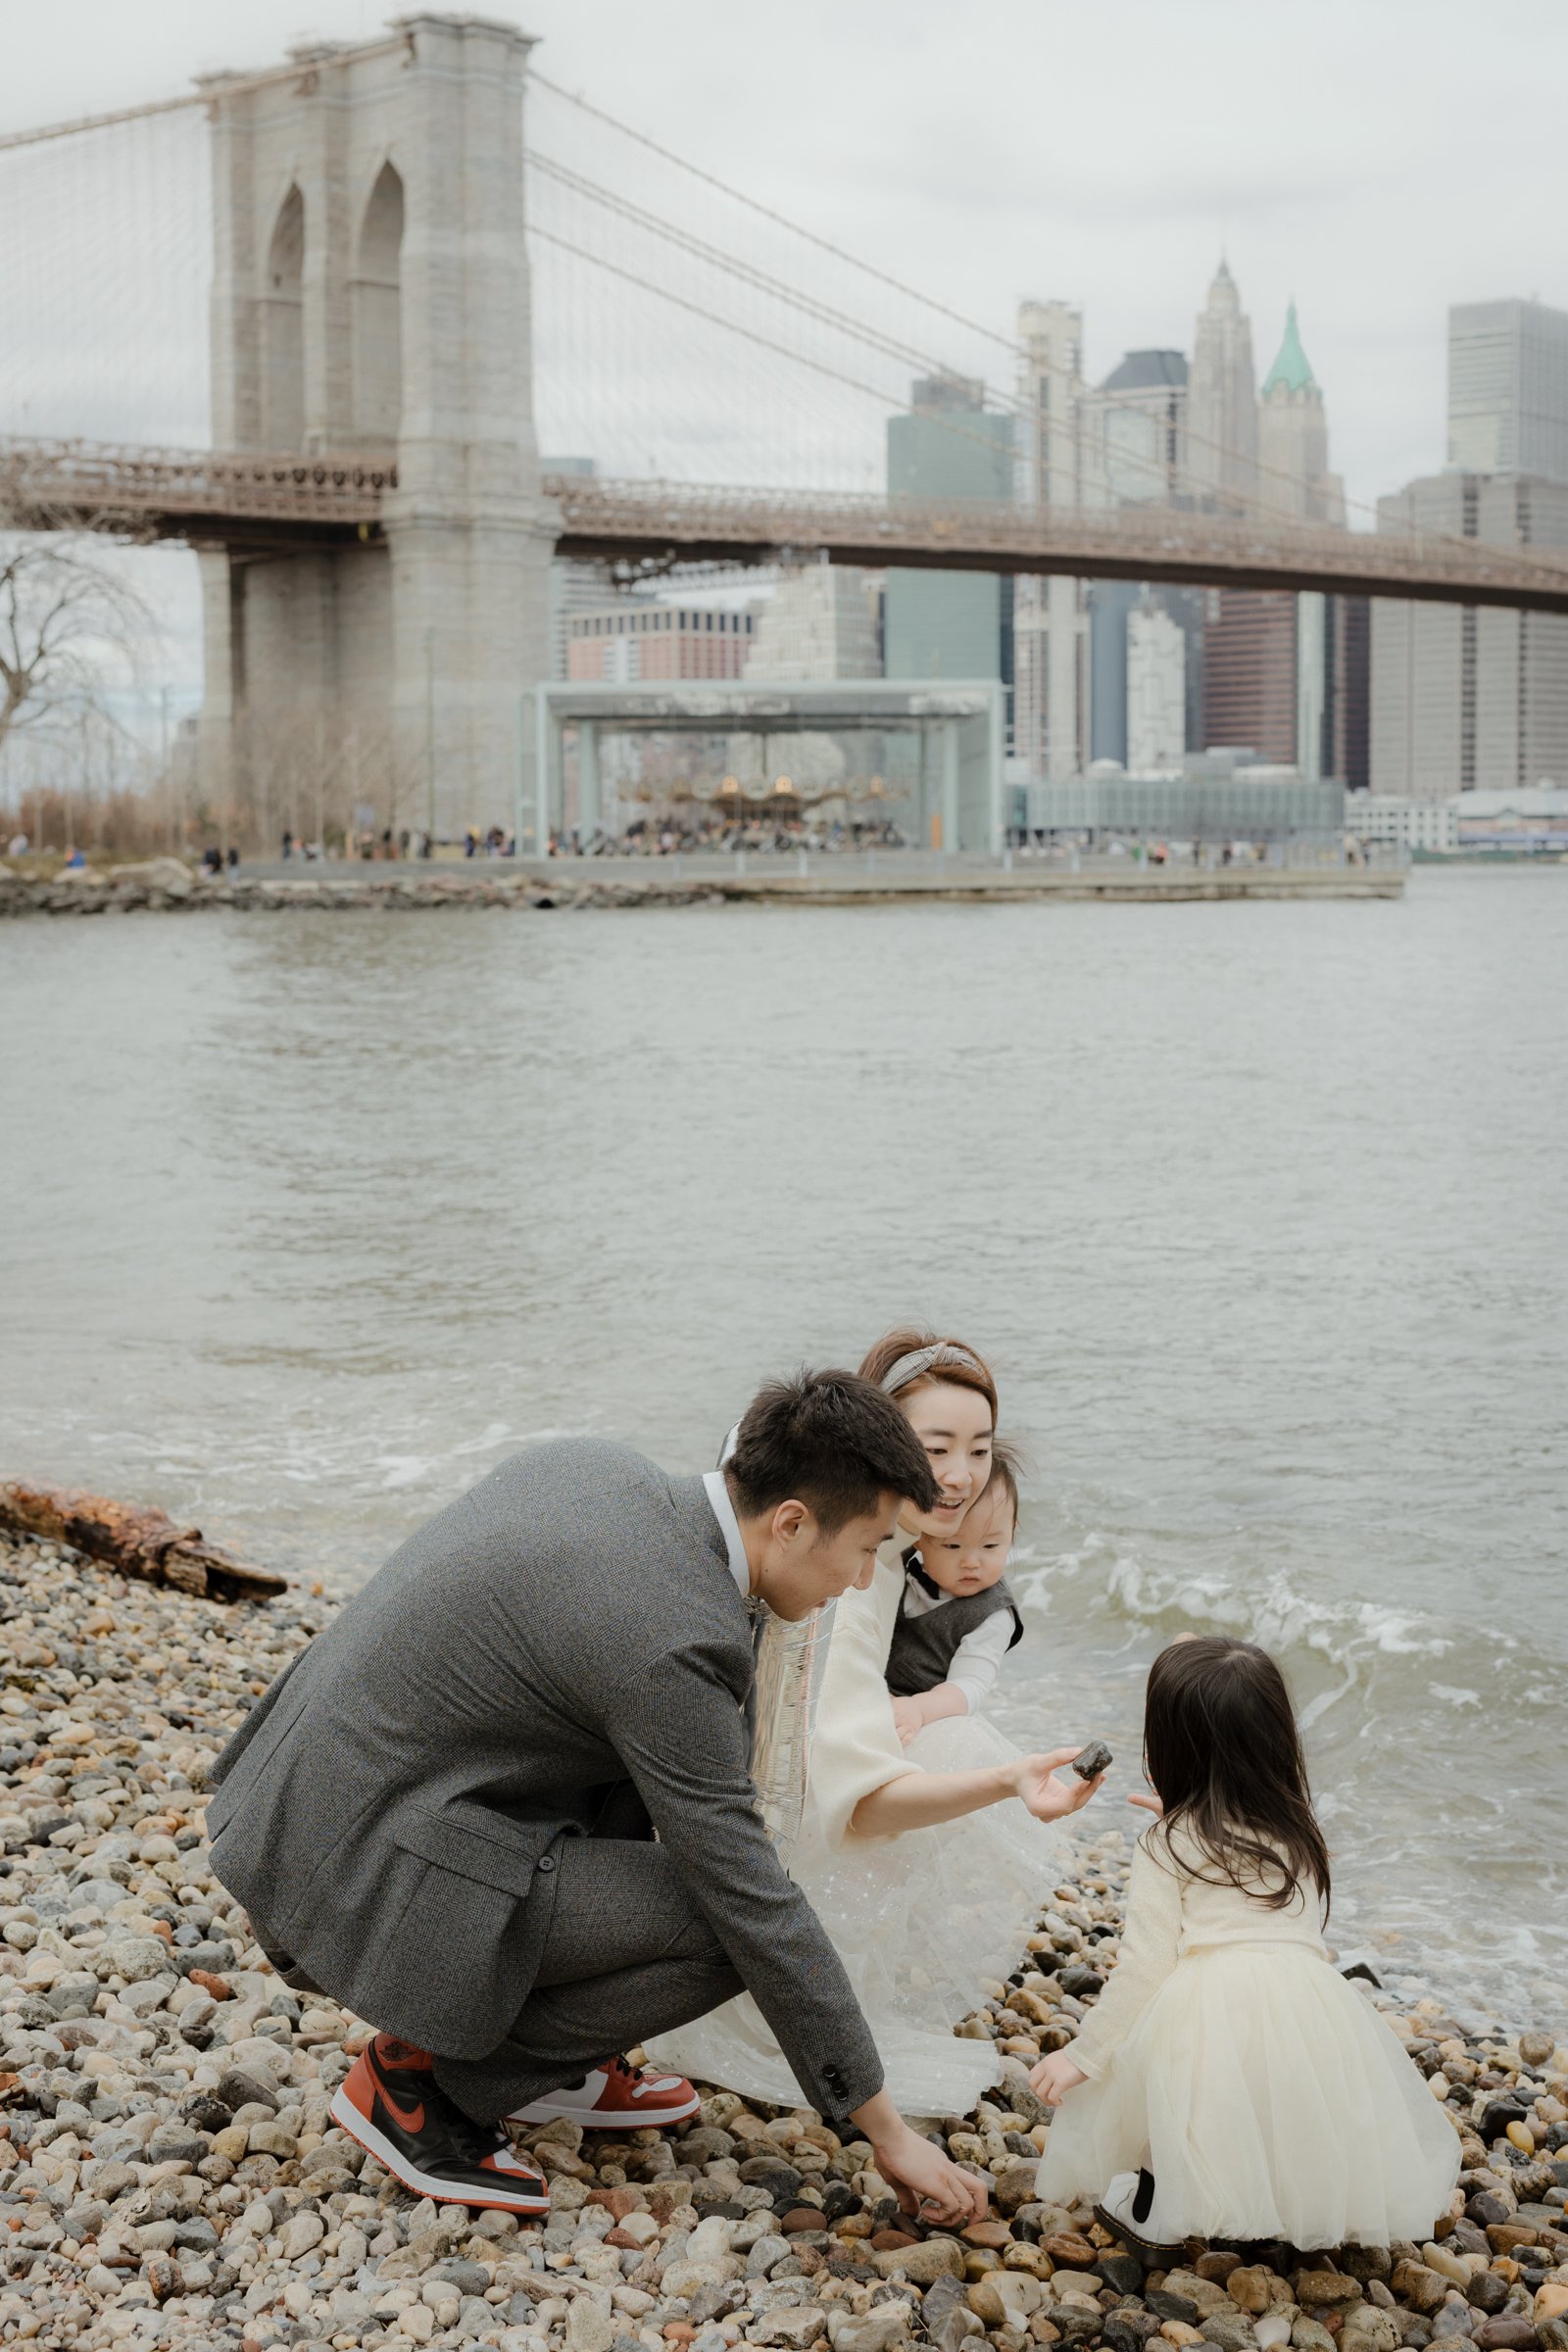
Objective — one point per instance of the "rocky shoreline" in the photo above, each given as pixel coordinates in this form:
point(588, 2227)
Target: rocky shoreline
point(169, 2175)
point(164, 886)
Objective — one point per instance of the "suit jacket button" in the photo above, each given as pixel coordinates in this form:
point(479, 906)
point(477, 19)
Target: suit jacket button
point(546, 1861)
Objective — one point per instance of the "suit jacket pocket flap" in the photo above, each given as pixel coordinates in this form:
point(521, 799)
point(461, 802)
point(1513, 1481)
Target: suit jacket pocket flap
point(505, 1858)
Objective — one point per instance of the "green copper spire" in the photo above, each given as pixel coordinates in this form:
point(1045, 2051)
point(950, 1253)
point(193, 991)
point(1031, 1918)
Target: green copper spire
point(1291, 368)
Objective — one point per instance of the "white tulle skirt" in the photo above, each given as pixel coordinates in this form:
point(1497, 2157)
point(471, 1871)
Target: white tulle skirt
point(1268, 2100)
point(918, 1921)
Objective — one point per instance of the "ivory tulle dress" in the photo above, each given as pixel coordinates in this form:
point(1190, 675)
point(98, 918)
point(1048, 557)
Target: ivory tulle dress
point(918, 1920)
point(1263, 2093)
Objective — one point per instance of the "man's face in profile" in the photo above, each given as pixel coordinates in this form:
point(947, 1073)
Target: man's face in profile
point(804, 1567)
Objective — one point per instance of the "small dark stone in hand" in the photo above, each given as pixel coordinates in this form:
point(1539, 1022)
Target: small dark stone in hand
point(1096, 1757)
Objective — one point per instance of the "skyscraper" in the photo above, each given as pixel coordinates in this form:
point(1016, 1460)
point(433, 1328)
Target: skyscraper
point(1156, 689)
point(946, 624)
point(1508, 389)
point(1133, 431)
point(1295, 483)
point(1284, 676)
point(1466, 697)
point(1051, 627)
point(1222, 402)
point(818, 624)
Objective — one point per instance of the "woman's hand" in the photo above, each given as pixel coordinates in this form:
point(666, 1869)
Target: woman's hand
point(1046, 1797)
point(908, 1719)
point(1149, 1803)
point(927, 2183)
point(1055, 2076)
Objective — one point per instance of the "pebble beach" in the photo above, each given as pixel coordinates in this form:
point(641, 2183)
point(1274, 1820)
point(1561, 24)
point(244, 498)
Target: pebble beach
point(169, 2174)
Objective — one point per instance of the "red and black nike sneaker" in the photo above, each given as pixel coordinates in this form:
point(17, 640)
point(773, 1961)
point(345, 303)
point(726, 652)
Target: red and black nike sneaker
point(614, 2097)
point(392, 2104)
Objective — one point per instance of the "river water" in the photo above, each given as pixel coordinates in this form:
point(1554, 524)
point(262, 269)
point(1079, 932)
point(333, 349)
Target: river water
point(1260, 1211)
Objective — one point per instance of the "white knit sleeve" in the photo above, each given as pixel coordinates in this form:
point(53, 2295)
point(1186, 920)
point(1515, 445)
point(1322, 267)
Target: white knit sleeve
point(855, 1746)
point(1150, 1936)
point(977, 1660)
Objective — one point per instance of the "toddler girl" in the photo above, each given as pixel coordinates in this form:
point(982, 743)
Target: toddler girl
point(1229, 2082)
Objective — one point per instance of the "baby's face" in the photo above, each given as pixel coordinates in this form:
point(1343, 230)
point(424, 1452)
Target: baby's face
point(973, 1557)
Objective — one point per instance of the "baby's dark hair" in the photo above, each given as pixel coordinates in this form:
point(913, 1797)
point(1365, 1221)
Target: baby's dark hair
point(1221, 1747)
point(1004, 1471)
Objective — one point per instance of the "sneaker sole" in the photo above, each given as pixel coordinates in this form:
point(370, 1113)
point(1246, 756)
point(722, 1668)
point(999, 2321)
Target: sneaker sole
point(429, 2185)
point(641, 2118)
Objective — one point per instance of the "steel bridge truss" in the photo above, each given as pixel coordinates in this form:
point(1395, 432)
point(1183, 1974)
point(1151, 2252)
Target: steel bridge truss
point(241, 500)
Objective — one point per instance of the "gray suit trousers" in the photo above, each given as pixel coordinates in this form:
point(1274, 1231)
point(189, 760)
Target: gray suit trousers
point(628, 1955)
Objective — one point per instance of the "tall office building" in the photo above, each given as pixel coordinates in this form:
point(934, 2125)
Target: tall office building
point(1249, 674)
point(1464, 697)
point(1222, 402)
point(1133, 432)
point(819, 623)
point(947, 625)
point(1295, 483)
point(1051, 616)
point(1282, 672)
point(1508, 389)
point(1156, 689)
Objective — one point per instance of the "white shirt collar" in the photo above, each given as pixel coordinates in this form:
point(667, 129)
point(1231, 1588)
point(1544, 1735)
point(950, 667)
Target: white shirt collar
point(740, 1567)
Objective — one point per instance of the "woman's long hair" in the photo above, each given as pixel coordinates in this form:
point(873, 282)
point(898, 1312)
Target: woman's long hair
point(1222, 1750)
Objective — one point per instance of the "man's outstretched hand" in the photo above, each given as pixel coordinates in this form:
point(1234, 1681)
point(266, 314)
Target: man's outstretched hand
point(1046, 1797)
point(927, 2183)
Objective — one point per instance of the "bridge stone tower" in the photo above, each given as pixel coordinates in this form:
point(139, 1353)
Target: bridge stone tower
point(370, 294)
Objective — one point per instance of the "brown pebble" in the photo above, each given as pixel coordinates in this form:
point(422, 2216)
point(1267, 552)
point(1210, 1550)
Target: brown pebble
point(618, 2202)
point(679, 2331)
point(883, 2241)
point(807, 2217)
point(218, 1987)
point(983, 2233)
point(1069, 2250)
point(1217, 2266)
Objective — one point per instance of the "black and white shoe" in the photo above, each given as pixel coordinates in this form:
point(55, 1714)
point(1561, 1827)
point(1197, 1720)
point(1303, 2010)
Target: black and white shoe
point(1128, 2209)
point(392, 2104)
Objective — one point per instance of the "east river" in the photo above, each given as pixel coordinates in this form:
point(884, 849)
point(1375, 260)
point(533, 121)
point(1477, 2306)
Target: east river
point(1260, 1212)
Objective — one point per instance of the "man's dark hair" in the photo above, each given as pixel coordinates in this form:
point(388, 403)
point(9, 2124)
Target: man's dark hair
point(831, 1441)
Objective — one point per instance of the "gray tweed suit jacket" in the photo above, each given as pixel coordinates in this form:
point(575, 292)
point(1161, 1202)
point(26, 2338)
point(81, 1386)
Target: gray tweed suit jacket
point(563, 1647)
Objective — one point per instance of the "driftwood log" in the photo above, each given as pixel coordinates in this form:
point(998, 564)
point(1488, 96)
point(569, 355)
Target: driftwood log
point(136, 1541)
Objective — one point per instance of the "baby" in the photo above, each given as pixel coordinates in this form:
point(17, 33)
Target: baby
point(957, 1619)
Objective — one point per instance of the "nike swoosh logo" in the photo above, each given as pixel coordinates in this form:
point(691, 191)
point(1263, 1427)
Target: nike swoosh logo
point(412, 2119)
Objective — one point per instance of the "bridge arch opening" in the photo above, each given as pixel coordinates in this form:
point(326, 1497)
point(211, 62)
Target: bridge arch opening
point(378, 304)
point(283, 328)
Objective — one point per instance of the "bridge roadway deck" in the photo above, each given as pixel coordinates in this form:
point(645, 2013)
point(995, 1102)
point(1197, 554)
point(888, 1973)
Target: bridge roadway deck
point(263, 501)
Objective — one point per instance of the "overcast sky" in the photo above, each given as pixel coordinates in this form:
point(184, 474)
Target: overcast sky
point(1377, 159)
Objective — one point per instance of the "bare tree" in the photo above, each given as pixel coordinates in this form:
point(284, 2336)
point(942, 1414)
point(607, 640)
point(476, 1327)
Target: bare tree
point(68, 623)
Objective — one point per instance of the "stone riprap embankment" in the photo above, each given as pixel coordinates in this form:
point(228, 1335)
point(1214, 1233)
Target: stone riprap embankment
point(164, 886)
point(169, 2175)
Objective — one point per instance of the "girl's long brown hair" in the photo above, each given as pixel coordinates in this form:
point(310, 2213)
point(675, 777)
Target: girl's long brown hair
point(1222, 1750)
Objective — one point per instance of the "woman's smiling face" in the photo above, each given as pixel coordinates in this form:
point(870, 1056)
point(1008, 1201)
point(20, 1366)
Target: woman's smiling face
point(954, 1427)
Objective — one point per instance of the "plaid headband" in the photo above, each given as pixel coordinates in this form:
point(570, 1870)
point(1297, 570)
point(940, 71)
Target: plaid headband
point(921, 1360)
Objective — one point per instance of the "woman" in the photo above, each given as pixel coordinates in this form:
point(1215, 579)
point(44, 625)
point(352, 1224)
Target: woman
point(920, 1908)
